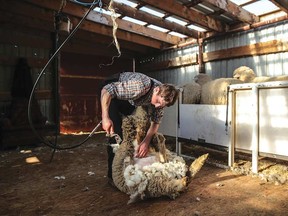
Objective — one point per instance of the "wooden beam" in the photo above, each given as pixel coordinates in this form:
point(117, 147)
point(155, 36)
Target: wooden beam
point(274, 46)
point(104, 42)
point(80, 43)
point(259, 24)
point(282, 4)
point(18, 26)
point(234, 10)
point(40, 16)
point(175, 8)
point(39, 94)
point(246, 27)
point(79, 11)
point(32, 62)
point(172, 63)
point(146, 17)
point(82, 77)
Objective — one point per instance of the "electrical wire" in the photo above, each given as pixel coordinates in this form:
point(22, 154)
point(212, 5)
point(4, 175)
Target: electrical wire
point(41, 138)
point(87, 4)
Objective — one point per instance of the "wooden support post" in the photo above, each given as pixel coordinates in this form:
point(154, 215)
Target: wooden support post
point(200, 56)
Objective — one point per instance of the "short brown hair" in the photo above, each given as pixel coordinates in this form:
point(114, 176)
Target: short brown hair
point(169, 92)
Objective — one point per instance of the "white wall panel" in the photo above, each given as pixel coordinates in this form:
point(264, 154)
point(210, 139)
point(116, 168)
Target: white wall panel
point(204, 122)
point(273, 121)
point(169, 122)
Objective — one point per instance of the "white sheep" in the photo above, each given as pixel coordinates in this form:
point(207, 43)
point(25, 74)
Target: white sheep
point(202, 78)
point(191, 93)
point(161, 173)
point(246, 74)
point(215, 91)
point(278, 78)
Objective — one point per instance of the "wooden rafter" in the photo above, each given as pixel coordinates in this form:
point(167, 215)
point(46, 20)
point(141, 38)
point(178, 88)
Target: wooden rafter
point(34, 27)
point(234, 10)
point(174, 8)
point(261, 48)
point(146, 17)
point(78, 11)
point(32, 17)
point(282, 4)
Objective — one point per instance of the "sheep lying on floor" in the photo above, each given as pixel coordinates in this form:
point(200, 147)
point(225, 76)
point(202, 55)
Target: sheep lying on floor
point(161, 173)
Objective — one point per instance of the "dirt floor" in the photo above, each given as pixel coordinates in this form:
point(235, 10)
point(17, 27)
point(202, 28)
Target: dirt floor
point(75, 183)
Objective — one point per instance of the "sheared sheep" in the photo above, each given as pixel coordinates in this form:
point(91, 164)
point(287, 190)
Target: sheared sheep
point(161, 173)
point(215, 91)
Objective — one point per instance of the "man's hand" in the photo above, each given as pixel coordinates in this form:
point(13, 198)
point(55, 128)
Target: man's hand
point(107, 125)
point(142, 150)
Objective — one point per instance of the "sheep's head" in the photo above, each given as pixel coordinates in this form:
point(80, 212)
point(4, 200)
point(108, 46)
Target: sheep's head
point(244, 74)
point(176, 187)
point(202, 78)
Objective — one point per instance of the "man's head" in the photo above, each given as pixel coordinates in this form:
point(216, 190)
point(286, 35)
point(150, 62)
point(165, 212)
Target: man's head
point(164, 95)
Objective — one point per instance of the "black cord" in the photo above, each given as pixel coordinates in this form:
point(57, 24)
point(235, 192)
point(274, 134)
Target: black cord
point(227, 108)
point(41, 138)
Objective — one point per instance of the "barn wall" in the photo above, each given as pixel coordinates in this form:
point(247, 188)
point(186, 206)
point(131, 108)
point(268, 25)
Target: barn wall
point(178, 75)
point(15, 44)
point(10, 52)
point(81, 78)
point(263, 65)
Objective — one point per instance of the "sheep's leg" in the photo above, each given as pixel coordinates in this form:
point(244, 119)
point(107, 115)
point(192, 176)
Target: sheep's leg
point(133, 198)
point(197, 165)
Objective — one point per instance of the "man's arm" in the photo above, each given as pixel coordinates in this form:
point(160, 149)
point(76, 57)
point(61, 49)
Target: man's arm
point(144, 145)
point(107, 123)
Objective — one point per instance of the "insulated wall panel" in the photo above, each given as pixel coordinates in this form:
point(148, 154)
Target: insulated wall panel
point(169, 123)
point(243, 118)
point(204, 122)
point(273, 121)
point(261, 111)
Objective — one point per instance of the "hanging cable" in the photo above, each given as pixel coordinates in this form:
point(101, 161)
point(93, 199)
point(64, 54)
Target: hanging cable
point(45, 141)
point(88, 4)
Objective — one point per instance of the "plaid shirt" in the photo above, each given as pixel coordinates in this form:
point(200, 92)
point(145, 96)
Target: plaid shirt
point(135, 87)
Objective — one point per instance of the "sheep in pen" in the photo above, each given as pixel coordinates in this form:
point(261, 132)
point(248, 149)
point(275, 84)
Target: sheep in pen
point(161, 173)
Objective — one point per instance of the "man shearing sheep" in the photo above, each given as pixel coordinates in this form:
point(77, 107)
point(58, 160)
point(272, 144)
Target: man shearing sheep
point(122, 94)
